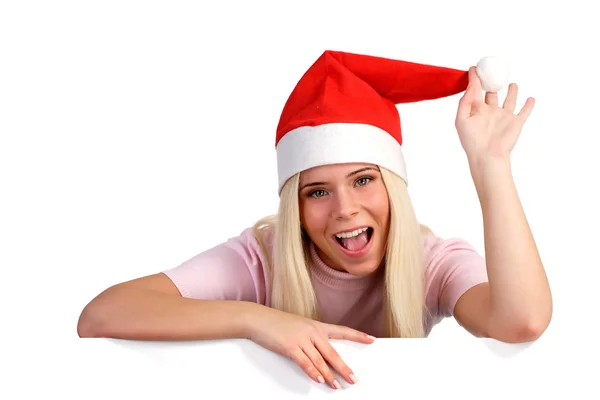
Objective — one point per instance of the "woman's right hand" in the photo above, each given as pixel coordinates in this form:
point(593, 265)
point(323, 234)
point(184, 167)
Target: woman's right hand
point(305, 342)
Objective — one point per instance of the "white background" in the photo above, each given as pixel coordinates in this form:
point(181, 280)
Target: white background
point(134, 135)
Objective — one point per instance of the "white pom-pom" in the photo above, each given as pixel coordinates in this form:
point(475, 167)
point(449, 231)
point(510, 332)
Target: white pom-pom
point(493, 73)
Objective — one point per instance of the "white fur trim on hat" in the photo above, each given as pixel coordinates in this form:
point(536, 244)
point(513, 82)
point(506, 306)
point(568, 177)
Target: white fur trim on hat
point(311, 146)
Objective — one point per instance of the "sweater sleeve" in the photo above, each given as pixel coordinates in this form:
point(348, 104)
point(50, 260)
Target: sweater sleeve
point(453, 267)
point(232, 270)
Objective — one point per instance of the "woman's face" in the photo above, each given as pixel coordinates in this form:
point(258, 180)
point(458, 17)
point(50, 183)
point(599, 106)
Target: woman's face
point(344, 208)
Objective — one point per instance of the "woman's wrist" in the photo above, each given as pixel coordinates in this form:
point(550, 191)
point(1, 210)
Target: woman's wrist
point(249, 318)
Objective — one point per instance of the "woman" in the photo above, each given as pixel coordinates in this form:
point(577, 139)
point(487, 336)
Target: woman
point(345, 256)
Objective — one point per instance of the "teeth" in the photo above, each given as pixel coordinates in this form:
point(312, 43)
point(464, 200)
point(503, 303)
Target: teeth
point(347, 235)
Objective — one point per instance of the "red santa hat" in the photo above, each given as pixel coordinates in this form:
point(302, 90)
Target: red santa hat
point(343, 110)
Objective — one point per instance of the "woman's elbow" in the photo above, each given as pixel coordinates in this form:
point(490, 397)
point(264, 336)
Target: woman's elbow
point(89, 323)
point(525, 332)
point(93, 318)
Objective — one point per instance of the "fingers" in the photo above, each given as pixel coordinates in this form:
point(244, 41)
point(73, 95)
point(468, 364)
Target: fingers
point(343, 332)
point(464, 107)
point(511, 101)
point(333, 358)
point(491, 98)
point(300, 357)
point(527, 108)
point(471, 101)
point(511, 98)
point(316, 354)
point(474, 80)
point(312, 361)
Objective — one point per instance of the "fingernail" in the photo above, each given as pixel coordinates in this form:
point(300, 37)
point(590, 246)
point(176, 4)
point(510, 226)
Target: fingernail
point(353, 378)
point(337, 384)
point(371, 337)
point(320, 379)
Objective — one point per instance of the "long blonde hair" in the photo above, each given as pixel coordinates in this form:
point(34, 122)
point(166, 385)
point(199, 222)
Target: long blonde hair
point(291, 284)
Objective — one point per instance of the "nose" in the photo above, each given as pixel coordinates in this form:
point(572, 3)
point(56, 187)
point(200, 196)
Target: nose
point(344, 205)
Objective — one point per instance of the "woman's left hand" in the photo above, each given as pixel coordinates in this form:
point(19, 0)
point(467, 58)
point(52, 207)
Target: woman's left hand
point(487, 131)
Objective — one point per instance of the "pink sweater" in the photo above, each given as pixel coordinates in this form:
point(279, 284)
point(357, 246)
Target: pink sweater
point(234, 270)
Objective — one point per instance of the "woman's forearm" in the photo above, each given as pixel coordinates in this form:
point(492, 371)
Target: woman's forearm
point(519, 288)
point(143, 314)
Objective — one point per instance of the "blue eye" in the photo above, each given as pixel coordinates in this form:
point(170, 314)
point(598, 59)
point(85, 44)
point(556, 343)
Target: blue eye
point(365, 180)
point(313, 194)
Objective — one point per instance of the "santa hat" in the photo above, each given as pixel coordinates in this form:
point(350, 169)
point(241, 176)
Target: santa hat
point(343, 110)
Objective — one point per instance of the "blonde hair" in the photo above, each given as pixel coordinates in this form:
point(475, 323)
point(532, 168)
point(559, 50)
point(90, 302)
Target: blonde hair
point(291, 284)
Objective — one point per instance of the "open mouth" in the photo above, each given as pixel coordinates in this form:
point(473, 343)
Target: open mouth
point(357, 242)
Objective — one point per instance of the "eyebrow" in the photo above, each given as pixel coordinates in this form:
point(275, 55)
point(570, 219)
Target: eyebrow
point(358, 171)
